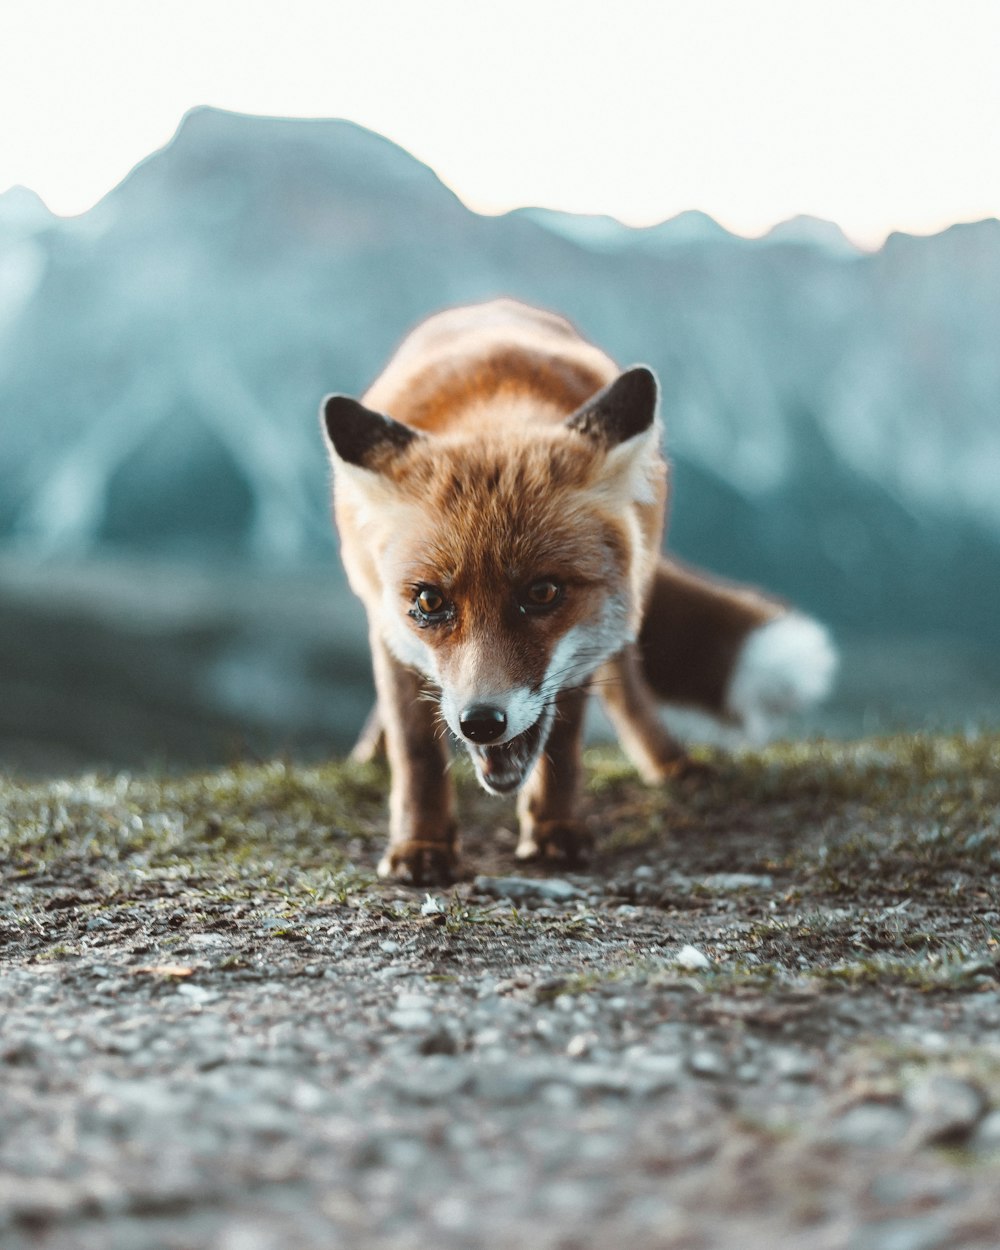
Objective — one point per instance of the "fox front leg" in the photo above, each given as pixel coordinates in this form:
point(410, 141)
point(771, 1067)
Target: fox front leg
point(632, 709)
point(546, 807)
point(423, 842)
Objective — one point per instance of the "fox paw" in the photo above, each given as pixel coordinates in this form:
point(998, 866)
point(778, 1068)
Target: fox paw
point(688, 771)
point(419, 863)
point(558, 841)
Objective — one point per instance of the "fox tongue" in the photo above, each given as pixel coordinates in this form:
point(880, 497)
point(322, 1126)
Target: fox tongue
point(493, 759)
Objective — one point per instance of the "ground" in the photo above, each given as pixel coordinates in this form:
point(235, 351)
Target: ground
point(765, 1016)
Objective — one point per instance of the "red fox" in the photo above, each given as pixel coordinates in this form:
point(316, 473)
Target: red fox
point(500, 495)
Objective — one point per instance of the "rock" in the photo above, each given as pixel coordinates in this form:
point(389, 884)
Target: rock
point(706, 1061)
point(987, 1135)
point(430, 1080)
point(945, 1109)
point(597, 1078)
point(692, 959)
point(655, 1073)
point(512, 1081)
point(411, 1019)
point(924, 1232)
point(724, 881)
point(522, 889)
point(793, 1065)
point(871, 1124)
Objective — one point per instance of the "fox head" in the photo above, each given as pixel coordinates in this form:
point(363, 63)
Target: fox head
point(506, 567)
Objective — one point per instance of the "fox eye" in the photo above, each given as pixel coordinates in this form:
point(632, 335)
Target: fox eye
point(541, 595)
point(430, 601)
point(430, 607)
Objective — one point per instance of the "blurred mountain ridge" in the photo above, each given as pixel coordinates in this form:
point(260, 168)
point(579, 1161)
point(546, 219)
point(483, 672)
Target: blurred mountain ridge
point(833, 415)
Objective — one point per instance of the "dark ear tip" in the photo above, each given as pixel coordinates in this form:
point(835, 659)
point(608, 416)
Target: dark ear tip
point(334, 408)
point(642, 381)
point(360, 436)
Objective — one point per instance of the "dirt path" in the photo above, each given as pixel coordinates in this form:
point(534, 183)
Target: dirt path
point(766, 1016)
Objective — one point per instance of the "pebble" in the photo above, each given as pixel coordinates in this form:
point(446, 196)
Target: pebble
point(737, 881)
point(987, 1135)
point(925, 1232)
point(870, 1124)
point(793, 1065)
point(520, 889)
point(691, 958)
point(513, 1081)
point(596, 1078)
point(706, 1061)
point(945, 1109)
point(431, 1079)
point(411, 1019)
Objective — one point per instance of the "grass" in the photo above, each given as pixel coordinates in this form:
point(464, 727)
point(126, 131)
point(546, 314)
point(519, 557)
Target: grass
point(884, 854)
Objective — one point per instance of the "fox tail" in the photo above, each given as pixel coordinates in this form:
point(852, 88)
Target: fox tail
point(747, 660)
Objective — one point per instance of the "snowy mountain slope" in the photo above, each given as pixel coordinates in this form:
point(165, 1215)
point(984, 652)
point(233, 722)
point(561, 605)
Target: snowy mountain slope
point(834, 417)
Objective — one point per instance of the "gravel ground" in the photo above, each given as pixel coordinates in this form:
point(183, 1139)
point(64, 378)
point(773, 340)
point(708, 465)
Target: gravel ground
point(767, 1016)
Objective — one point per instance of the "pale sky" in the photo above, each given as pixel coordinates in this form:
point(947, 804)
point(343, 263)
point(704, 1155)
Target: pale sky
point(876, 114)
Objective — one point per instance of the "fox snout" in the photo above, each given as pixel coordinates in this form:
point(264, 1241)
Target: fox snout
point(490, 718)
point(503, 734)
point(483, 722)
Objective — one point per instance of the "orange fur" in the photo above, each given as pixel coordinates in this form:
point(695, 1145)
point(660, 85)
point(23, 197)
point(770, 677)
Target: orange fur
point(519, 490)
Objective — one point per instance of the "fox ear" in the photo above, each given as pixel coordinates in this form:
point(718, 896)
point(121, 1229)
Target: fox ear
point(360, 436)
point(624, 408)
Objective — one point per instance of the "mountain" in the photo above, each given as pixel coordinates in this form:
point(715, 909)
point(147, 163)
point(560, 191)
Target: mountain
point(833, 416)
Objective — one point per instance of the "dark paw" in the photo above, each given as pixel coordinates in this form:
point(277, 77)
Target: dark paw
point(557, 842)
point(419, 863)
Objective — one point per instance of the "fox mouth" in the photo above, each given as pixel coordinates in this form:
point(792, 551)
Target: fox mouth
point(502, 769)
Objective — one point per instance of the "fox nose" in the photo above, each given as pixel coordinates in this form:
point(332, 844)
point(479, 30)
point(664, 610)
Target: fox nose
point(483, 724)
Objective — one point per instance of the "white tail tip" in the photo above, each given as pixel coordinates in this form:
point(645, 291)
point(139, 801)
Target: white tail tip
point(783, 668)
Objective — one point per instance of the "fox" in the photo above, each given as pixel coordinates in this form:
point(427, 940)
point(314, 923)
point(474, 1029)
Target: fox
point(501, 496)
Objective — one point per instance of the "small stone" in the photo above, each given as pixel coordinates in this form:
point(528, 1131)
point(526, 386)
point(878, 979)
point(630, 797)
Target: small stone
point(793, 1065)
point(871, 1124)
point(411, 1019)
point(595, 1078)
point(987, 1135)
point(924, 1232)
point(643, 873)
point(724, 881)
point(692, 959)
point(522, 889)
point(511, 1082)
point(432, 906)
point(707, 1062)
point(431, 1080)
point(390, 947)
point(654, 1073)
point(945, 1109)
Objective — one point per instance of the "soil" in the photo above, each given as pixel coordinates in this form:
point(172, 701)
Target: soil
point(766, 1015)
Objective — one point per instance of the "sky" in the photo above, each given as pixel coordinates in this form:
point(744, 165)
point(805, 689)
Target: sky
point(880, 115)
